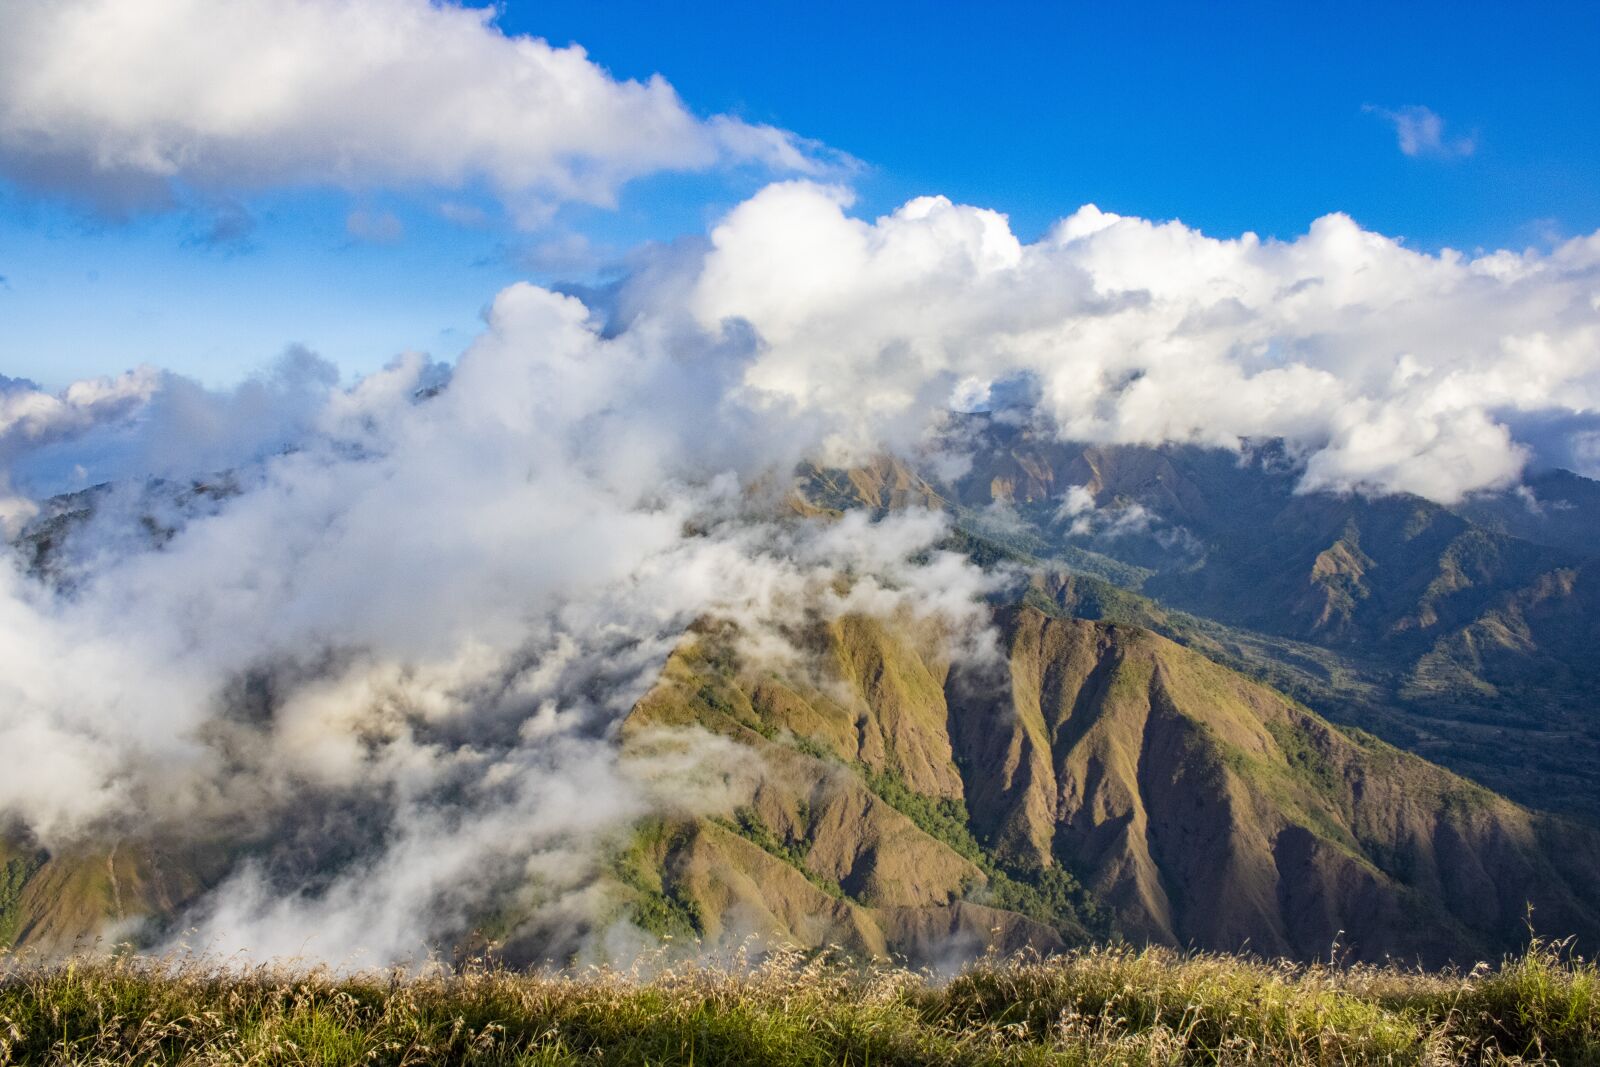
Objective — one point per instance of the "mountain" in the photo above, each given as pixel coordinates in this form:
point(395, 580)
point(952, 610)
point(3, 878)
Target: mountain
point(1553, 507)
point(1210, 810)
point(856, 833)
point(1230, 537)
point(1209, 723)
point(58, 902)
point(1192, 806)
point(1541, 639)
point(1445, 635)
point(1096, 779)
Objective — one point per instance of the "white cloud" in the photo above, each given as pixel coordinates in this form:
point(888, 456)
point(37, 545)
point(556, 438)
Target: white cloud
point(32, 419)
point(1082, 516)
point(153, 423)
point(1386, 369)
point(565, 253)
point(129, 103)
point(1586, 453)
point(443, 608)
point(1420, 132)
point(32, 414)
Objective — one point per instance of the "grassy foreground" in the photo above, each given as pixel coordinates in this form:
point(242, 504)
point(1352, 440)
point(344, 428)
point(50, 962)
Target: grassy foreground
point(1096, 1006)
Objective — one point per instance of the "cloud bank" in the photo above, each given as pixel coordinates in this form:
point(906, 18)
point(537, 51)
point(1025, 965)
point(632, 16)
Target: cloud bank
point(1385, 369)
point(129, 105)
point(383, 668)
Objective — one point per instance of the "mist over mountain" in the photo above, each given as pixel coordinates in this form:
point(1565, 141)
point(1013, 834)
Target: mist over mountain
point(892, 582)
point(396, 666)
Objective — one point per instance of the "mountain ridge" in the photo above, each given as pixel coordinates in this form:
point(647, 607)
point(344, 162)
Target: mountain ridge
point(1423, 626)
point(1114, 773)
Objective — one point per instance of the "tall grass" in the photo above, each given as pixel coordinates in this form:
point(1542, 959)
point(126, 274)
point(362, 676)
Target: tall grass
point(1095, 1006)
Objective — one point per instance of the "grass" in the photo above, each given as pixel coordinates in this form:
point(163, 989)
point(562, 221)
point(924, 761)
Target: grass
point(1105, 1005)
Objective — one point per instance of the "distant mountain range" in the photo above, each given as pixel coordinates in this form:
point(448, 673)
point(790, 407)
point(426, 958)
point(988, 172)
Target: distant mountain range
point(1465, 634)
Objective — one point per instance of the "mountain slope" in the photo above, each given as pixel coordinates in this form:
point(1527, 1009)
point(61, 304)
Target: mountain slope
point(1209, 810)
point(57, 902)
point(1096, 778)
point(1539, 639)
point(1461, 634)
point(1505, 702)
point(1099, 777)
point(1553, 507)
point(850, 837)
point(1230, 536)
point(1197, 806)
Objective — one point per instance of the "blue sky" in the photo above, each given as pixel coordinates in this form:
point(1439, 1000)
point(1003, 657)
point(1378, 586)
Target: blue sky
point(1230, 117)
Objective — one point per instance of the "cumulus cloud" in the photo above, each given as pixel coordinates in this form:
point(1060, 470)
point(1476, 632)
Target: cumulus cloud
point(1420, 132)
point(150, 423)
point(1384, 368)
point(32, 419)
point(130, 104)
point(29, 413)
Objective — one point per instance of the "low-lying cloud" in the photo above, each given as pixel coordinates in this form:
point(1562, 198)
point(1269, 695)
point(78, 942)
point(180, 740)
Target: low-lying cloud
point(385, 667)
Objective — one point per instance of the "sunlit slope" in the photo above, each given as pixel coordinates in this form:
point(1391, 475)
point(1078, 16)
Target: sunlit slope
point(58, 902)
point(1090, 779)
point(1538, 642)
point(1198, 807)
point(856, 834)
point(1208, 809)
point(1464, 634)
